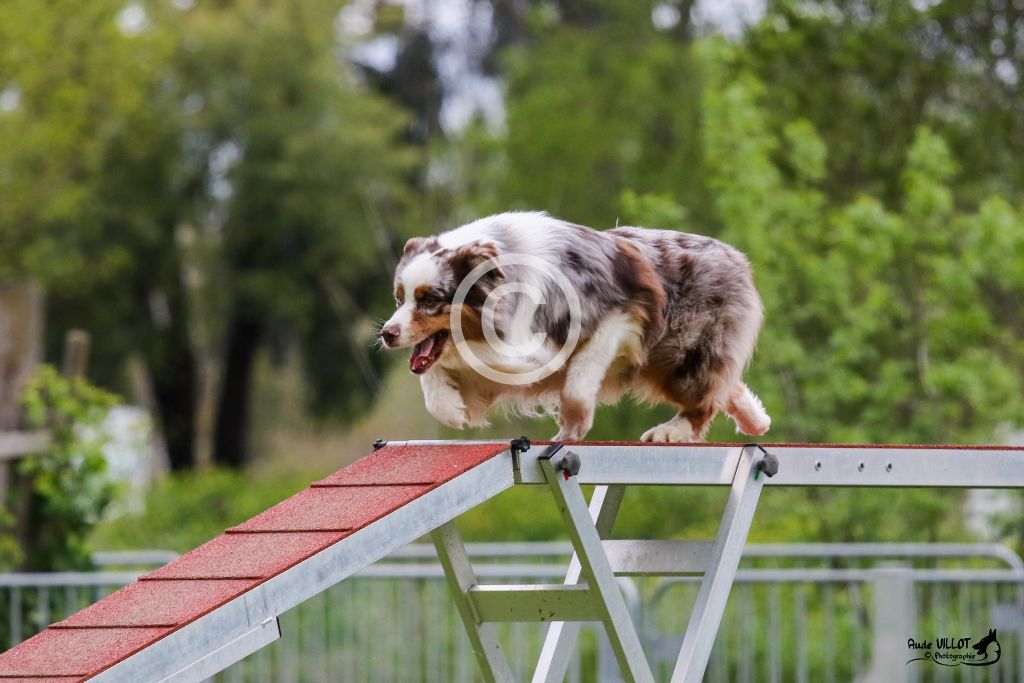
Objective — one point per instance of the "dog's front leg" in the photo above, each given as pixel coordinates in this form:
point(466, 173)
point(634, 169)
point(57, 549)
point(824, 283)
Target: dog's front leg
point(443, 400)
point(584, 376)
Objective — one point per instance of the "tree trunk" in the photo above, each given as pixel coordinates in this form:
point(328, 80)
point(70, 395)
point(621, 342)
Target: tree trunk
point(231, 437)
point(172, 366)
point(21, 346)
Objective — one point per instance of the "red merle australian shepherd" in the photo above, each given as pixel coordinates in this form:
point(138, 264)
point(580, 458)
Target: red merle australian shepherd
point(527, 311)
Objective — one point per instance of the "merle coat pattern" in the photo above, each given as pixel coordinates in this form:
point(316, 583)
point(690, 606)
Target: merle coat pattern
point(666, 316)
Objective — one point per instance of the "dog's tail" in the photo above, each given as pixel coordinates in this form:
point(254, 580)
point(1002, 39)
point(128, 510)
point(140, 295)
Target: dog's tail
point(747, 411)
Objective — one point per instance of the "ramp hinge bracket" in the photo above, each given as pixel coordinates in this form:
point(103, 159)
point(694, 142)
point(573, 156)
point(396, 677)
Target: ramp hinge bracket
point(517, 446)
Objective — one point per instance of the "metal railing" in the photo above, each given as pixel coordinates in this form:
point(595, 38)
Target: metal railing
point(847, 620)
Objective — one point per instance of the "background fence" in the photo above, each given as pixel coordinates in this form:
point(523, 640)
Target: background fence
point(812, 612)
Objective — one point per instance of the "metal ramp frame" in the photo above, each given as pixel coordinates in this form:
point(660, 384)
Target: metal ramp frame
point(597, 562)
point(212, 607)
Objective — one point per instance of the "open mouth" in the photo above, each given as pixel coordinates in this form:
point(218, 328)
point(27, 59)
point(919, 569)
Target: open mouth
point(427, 352)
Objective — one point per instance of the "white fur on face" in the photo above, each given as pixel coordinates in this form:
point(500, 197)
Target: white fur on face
point(422, 270)
point(402, 318)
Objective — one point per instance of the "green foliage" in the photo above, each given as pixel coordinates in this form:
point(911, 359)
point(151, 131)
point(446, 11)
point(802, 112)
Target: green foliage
point(186, 509)
point(892, 314)
point(79, 83)
point(68, 489)
point(652, 210)
point(862, 301)
point(594, 112)
point(214, 172)
point(221, 171)
point(868, 75)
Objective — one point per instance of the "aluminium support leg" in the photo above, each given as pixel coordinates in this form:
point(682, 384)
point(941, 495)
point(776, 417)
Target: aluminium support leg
point(721, 570)
point(595, 568)
point(560, 639)
point(483, 636)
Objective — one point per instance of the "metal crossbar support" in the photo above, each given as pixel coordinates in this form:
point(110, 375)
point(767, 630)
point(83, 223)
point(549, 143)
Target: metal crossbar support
point(718, 577)
point(560, 639)
point(590, 591)
point(483, 636)
point(595, 569)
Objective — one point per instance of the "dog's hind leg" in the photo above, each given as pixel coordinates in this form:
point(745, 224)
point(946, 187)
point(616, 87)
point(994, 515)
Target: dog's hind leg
point(586, 371)
point(698, 383)
point(688, 426)
point(747, 411)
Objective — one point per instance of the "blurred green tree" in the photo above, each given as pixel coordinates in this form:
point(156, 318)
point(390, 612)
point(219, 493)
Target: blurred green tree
point(893, 312)
point(304, 173)
point(197, 184)
point(881, 325)
point(599, 100)
point(867, 74)
point(70, 81)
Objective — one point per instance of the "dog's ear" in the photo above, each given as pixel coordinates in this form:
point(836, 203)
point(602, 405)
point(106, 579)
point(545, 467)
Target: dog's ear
point(467, 257)
point(418, 244)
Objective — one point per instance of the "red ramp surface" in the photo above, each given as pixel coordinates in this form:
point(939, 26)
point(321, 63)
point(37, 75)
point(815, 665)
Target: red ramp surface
point(352, 504)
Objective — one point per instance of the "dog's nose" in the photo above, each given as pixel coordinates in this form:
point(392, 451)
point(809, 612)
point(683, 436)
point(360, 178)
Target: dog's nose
point(390, 334)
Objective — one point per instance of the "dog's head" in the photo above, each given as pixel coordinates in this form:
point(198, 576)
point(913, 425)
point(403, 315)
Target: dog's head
point(426, 280)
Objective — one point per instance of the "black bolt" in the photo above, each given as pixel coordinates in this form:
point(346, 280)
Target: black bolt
point(569, 464)
point(769, 464)
point(379, 444)
point(520, 445)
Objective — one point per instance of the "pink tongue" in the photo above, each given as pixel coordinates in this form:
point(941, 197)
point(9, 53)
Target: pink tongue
point(421, 354)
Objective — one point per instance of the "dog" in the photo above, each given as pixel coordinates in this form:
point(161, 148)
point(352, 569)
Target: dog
point(666, 316)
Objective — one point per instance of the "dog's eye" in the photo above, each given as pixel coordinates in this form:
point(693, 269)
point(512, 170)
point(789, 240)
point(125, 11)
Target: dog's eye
point(430, 300)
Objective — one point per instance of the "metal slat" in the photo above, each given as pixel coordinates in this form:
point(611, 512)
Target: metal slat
point(596, 571)
point(560, 639)
point(695, 465)
point(725, 559)
point(461, 579)
point(658, 558)
point(535, 602)
point(219, 659)
point(635, 464)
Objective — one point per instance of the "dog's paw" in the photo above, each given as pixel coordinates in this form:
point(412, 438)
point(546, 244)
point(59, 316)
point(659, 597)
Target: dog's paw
point(673, 431)
point(454, 415)
point(570, 434)
point(755, 427)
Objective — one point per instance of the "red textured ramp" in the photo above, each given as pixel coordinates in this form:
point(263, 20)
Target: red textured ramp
point(158, 603)
point(333, 508)
point(246, 556)
point(411, 465)
point(75, 651)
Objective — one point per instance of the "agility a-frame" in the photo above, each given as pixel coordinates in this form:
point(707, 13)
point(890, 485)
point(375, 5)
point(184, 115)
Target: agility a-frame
point(213, 606)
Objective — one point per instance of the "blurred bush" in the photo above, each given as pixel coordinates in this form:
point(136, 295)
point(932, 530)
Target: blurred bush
point(62, 492)
point(184, 510)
